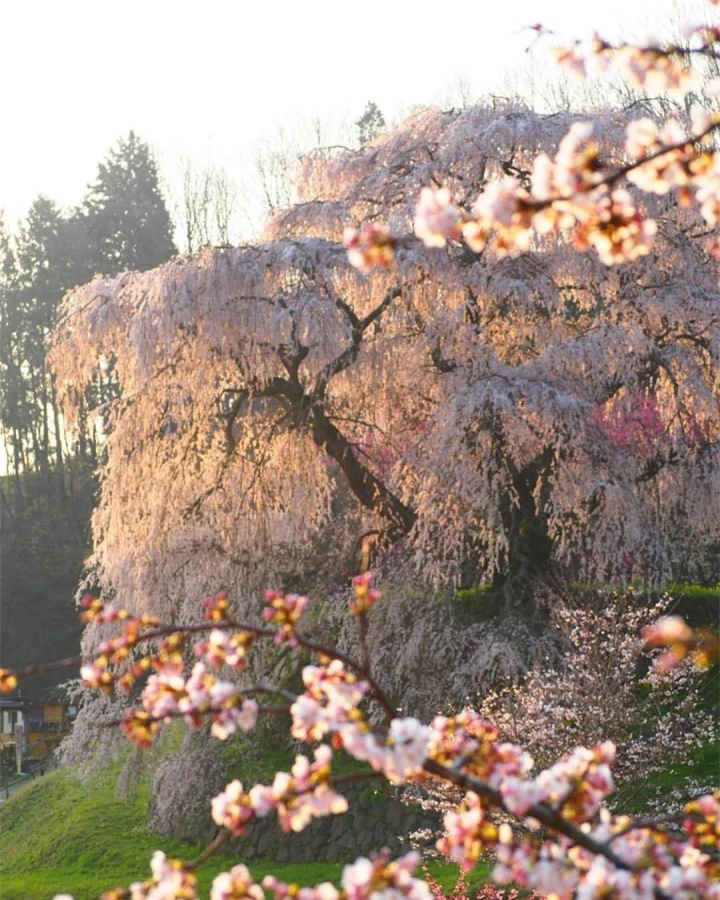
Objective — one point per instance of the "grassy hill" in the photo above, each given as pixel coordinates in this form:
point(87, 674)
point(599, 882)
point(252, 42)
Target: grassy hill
point(61, 834)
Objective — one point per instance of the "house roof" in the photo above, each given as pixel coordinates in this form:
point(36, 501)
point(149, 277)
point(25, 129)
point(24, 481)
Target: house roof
point(13, 704)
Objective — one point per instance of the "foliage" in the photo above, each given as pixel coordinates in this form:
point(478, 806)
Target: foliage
point(121, 224)
point(123, 216)
point(44, 545)
point(39, 269)
point(48, 494)
point(370, 124)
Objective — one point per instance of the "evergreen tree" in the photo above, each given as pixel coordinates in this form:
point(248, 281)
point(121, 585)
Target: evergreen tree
point(126, 222)
point(370, 124)
point(9, 374)
point(47, 496)
point(36, 277)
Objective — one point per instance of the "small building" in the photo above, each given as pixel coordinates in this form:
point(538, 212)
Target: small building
point(43, 724)
point(48, 722)
point(12, 714)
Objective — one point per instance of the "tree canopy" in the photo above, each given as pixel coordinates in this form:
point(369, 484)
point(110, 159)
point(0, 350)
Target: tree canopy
point(121, 224)
point(491, 417)
point(370, 123)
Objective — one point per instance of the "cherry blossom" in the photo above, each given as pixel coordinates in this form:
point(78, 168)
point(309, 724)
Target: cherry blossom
point(436, 218)
point(582, 849)
point(284, 611)
point(170, 881)
point(366, 596)
point(283, 891)
point(323, 382)
point(368, 247)
point(378, 878)
point(236, 884)
point(298, 797)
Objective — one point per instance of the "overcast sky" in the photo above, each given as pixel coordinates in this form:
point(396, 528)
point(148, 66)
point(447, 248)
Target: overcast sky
point(211, 80)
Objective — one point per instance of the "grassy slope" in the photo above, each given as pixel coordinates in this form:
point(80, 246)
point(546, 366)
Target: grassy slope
point(60, 834)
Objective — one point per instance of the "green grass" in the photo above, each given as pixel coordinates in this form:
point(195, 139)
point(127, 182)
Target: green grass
point(63, 835)
point(703, 770)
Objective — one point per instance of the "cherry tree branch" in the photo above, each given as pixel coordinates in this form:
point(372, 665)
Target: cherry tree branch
point(358, 327)
point(369, 490)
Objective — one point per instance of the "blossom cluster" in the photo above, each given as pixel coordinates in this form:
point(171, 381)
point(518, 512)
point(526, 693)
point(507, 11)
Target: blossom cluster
point(170, 880)
point(236, 884)
point(281, 890)
point(640, 863)
point(602, 690)
point(222, 648)
point(378, 877)
point(577, 192)
point(298, 797)
point(475, 740)
point(201, 692)
point(330, 700)
point(577, 784)
point(330, 705)
point(375, 878)
point(284, 610)
point(681, 641)
point(168, 695)
point(651, 68)
point(633, 422)
point(370, 246)
point(365, 595)
point(575, 787)
point(97, 673)
point(567, 193)
point(217, 608)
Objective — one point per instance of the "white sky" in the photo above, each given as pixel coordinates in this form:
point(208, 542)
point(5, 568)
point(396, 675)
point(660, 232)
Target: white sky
point(210, 80)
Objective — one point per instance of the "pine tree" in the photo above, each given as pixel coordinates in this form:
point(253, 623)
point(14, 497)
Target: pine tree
point(37, 276)
point(9, 374)
point(370, 124)
point(127, 225)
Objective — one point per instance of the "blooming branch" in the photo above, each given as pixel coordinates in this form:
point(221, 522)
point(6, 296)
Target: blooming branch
point(582, 850)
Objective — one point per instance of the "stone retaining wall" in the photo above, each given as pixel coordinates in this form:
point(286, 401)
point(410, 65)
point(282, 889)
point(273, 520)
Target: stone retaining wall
point(373, 821)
